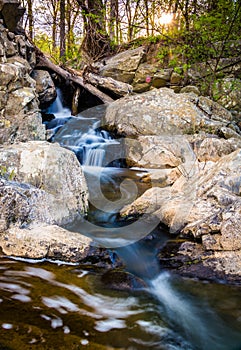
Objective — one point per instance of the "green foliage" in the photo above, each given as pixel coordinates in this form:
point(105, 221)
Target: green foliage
point(163, 54)
point(223, 87)
point(154, 39)
point(45, 45)
point(178, 70)
point(7, 174)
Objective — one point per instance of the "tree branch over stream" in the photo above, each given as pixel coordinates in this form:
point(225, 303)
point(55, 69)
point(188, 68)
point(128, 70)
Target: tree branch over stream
point(73, 76)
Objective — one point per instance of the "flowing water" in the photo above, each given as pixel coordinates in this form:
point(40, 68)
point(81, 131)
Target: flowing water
point(51, 305)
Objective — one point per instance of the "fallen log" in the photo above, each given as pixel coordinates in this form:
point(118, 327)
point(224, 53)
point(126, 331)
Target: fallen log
point(115, 87)
point(45, 63)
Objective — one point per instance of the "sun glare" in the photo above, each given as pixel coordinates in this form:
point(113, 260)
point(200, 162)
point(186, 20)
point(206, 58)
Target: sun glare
point(165, 18)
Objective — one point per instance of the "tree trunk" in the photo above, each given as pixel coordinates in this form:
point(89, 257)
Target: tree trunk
point(30, 18)
point(62, 30)
point(96, 42)
point(70, 76)
point(113, 25)
point(147, 17)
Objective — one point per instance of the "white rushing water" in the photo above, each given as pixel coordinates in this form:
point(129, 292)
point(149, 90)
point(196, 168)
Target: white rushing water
point(187, 323)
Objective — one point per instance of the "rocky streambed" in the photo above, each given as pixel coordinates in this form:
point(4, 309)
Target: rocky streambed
point(188, 145)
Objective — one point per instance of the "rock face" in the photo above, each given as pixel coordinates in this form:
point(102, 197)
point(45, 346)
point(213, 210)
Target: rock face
point(53, 242)
point(11, 12)
point(206, 207)
point(45, 87)
point(162, 112)
point(41, 185)
point(55, 172)
point(191, 148)
point(20, 119)
point(123, 66)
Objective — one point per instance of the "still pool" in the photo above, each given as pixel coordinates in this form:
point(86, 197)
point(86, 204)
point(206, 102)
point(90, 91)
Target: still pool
point(48, 305)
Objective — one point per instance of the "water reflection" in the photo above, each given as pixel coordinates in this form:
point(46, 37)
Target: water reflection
point(59, 307)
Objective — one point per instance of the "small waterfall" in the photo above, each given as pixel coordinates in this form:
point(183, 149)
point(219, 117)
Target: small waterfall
point(83, 136)
point(93, 156)
point(191, 319)
point(57, 108)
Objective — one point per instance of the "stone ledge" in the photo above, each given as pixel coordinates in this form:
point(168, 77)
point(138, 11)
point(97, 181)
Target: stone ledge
point(11, 12)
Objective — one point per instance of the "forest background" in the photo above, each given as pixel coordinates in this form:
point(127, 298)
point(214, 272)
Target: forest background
point(71, 32)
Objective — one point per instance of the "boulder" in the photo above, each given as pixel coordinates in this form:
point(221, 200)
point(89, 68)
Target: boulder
point(122, 67)
point(53, 242)
point(162, 77)
point(200, 206)
point(118, 279)
point(11, 12)
point(190, 89)
point(153, 152)
point(143, 77)
point(9, 47)
point(162, 112)
point(45, 241)
point(55, 172)
point(45, 87)
point(190, 259)
point(212, 148)
point(20, 119)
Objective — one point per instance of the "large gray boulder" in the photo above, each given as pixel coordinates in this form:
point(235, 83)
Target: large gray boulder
point(123, 66)
point(204, 206)
point(19, 109)
point(20, 118)
point(162, 112)
point(59, 194)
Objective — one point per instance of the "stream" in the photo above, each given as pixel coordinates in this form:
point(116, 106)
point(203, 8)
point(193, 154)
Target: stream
point(52, 305)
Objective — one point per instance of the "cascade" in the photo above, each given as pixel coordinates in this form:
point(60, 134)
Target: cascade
point(193, 323)
point(57, 107)
point(81, 134)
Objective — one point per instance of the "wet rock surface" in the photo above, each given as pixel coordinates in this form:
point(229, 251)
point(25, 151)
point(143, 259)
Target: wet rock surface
point(122, 280)
point(189, 259)
point(55, 243)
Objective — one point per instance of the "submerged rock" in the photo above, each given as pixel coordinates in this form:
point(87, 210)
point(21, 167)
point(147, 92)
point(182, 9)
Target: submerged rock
point(122, 280)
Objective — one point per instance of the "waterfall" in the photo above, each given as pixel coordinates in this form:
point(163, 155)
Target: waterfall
point(191, 320)
point(93, 156)
point(83, 136)
point(57, 108)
